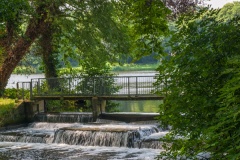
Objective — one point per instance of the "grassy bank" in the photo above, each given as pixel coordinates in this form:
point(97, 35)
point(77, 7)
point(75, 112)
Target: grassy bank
point(6, 102)
point(125, 67)
point(135, 67)
point(114, 68)
point(7, 112)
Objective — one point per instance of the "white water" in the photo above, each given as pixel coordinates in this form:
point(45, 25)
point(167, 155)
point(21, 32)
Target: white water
point(31, 151)
point(74, 140)
point(64, 117)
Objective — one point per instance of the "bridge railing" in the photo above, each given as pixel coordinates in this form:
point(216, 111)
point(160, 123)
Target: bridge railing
point(23, 90)
point(95, 86)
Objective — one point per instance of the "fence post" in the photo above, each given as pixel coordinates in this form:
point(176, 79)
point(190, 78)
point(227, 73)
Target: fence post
point(18, 90)
point(69, 85)
point(136, 86)
point(23, 87)
point(38, 86)
point(31, 90)
point(128, 86)
point(94, 86)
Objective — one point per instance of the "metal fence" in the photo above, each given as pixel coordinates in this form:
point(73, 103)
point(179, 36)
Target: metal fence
point(95, 86)
point(23, 90)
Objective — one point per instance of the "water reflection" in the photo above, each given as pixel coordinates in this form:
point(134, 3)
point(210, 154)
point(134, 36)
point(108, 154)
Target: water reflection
point(149, 106)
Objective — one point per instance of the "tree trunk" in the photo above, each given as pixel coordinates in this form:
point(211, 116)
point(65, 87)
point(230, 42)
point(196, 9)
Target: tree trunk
point(20, 47)
point(49, 57)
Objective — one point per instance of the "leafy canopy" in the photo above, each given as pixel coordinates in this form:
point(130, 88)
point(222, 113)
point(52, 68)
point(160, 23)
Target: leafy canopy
point(201, 103)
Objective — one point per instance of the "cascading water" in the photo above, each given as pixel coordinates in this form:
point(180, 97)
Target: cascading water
point(116, 136)
point(64, 117)
point(104, 135)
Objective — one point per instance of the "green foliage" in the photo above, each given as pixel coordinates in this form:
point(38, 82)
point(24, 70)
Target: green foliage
point(90, 34)
point(229, 11)
point(13, 10)
point(60, 106)
point(25, 70)
point(136, 67)
point(202, 78)
point(147, 24)
point(31, 63)
point(8, 114)
point(14, 93)
point(112, 106)
point(11, 93)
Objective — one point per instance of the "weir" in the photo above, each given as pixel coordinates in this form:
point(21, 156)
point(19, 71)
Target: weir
point(55, 128)
point(64, 117)
point(74, 130)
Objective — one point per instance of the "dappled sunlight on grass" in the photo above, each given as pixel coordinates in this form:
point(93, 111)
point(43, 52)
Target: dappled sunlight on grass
point(4, 101)
point(10, 113)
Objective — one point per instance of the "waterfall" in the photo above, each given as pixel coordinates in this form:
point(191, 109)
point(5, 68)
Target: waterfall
point(51, 126)
point(75, 129)
point(64, 117)
point(94, 134)
point(105, 135)
point(91, 138)
point(27, 138)
point(41, 132)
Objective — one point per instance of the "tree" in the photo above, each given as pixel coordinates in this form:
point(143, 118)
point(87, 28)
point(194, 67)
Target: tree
point(49, 55)
point(14, 42)
point(202, 86)
point(179, 7)
point(229, 11)
point(87, 27)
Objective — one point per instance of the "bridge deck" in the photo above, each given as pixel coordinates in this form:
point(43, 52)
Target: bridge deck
point(144, 97)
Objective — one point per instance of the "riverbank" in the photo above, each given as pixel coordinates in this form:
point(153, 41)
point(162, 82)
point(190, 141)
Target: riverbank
point(9, 112)
point(113, 68)
point(136, 67)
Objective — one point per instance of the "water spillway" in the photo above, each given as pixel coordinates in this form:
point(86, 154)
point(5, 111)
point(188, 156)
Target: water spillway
point(117, 135)
point(104, 135)
point(64, 117)
point(77, 135)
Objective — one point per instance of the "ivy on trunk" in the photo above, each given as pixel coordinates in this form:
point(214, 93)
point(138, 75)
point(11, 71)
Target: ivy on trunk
point(13, 51)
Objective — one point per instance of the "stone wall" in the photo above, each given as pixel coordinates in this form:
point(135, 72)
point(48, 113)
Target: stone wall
point(22, 114)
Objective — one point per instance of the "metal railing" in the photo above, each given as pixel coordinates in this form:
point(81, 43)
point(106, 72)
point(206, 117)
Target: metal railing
point(23, 90)
point(94, 86)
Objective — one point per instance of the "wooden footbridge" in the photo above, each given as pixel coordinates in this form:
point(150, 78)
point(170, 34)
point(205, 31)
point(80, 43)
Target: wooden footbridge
point(98, 89)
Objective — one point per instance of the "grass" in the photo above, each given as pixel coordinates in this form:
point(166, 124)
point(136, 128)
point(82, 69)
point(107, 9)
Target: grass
point(116, 67)
point(4, 102)
point(125, 67)
point(7, 112)
point(135, 67)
